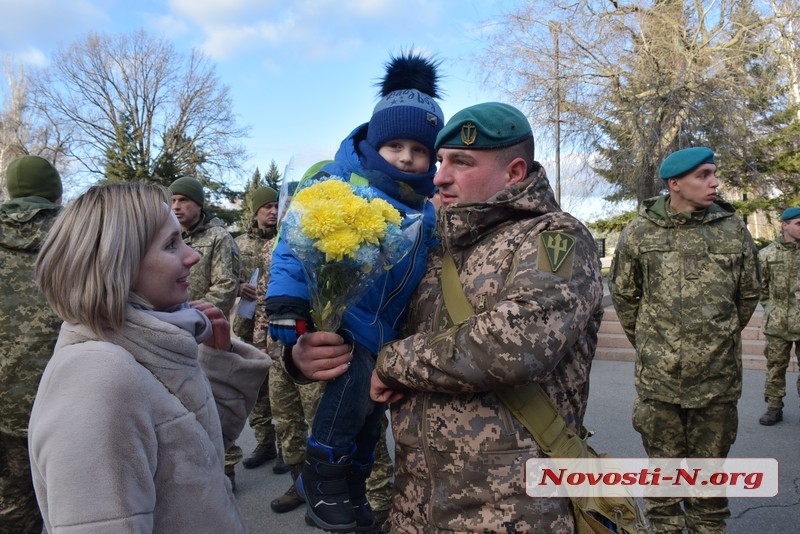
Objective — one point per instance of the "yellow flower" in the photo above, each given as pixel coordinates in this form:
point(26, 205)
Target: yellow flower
point(341, 243)
point(391, 215)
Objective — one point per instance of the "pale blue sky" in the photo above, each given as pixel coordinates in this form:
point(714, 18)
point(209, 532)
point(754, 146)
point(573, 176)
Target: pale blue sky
point(301, 72)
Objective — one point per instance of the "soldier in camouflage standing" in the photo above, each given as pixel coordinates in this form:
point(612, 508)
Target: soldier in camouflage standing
point(215, 278)
point(780, 296)
point(532, 275)
point(260, 233)
point(684, 281)
point(29, 332)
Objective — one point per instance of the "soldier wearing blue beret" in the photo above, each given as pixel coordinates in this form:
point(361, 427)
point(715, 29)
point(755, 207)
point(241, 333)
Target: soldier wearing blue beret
point(684, 281)
point(780, 284)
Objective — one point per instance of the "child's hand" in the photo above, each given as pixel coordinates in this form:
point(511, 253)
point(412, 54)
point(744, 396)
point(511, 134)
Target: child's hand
point(220, 327)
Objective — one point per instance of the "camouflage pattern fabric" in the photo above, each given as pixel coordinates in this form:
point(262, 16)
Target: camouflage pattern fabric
point(684, 286)
point(780, 296)
point(670, 431)
point(460, 454)
point(29, 334)
point(294, 406)
point(379, 483)
point(215, 278)
point(251, 246)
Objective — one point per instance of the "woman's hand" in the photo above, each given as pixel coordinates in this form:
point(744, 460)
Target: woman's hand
point(321, 355)
point(220, 327)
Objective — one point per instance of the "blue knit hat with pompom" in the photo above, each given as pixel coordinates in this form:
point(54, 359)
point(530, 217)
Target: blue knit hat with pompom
point(407, 109)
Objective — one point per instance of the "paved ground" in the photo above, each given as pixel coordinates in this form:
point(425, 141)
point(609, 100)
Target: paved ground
point(608, 414)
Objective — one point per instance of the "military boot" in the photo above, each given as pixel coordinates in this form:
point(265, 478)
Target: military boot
point(771, 416)
point(263, 453)
point(323, 485)
point(291, 499)
point(280, 466)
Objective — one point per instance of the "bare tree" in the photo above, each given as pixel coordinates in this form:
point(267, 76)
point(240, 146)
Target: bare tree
point(25, 127)
point(633, 81)
point(143, 111)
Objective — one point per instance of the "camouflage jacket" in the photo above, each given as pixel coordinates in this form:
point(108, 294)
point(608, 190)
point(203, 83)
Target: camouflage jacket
point(215, 277)
point(780, 289)
point(251, 248)
point(684, 286)
point(460, 454)
point(261, 337)
point(30, 328)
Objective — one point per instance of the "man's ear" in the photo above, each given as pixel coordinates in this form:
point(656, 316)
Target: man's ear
point(516, 171)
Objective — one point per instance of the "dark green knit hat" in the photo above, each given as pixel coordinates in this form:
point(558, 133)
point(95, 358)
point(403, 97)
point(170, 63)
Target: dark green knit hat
point(486, 126)
point(32, 176)
point(790, 213)
point(681, 162)
point(191, 188)
point(261, 196)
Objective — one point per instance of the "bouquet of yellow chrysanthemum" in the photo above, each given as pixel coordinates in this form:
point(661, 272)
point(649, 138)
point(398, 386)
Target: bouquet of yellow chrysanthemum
point(344, 236)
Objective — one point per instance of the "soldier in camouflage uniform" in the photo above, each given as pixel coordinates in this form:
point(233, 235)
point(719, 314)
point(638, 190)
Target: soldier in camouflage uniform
point(29, 332)
point(261, 233)
point(684, 281)
point(294, 405)
point(532, 274)
point(215, 278)
point(780, 296)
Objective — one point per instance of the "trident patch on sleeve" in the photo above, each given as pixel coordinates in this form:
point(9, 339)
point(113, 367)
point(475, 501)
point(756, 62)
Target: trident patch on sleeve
point(556, 253)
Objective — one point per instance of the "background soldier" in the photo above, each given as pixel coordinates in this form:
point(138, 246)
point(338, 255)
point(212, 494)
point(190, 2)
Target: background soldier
point(215, 278)
point(29, 331)
point(260, 234)
point(780, 296)
point(685, 281)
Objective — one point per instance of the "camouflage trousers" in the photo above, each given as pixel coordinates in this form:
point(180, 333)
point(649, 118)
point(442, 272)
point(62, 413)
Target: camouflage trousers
point(778, 353)
point(260, 419)
point(380, 481)
point(293, 409)
point(19, 512)
point(670, 431)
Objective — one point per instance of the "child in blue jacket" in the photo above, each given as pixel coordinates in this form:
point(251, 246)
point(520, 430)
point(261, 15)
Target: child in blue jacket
point(393, 153)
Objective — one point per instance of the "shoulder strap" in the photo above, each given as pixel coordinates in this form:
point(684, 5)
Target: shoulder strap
point(529, 403)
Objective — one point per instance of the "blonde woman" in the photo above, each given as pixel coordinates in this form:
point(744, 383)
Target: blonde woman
point(144, 391)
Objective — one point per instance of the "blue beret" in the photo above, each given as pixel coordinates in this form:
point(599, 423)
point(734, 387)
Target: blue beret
point(490, 125)
point(790, 213)
point(681, 162)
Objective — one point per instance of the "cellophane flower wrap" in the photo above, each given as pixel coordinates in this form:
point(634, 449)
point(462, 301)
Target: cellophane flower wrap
point(345, 237)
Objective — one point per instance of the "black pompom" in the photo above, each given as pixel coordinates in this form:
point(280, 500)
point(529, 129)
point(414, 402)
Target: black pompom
point(411, 70)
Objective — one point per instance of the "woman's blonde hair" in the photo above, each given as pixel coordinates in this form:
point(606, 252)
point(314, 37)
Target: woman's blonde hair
point(92, 255)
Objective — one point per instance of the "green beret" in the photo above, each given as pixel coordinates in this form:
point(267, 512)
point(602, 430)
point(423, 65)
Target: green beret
point(790, 213)
point(191, 188)
point(681, 162)
point(32, 176)
point(261, 196)
point(487, 126)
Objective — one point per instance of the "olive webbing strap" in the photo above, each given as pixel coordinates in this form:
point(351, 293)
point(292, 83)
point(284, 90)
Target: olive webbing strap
point(529, 403)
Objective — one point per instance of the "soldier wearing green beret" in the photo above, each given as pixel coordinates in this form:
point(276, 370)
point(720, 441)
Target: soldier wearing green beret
point(780, 290)
point(531, 274)
point(29, 332)
point(685, 280)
